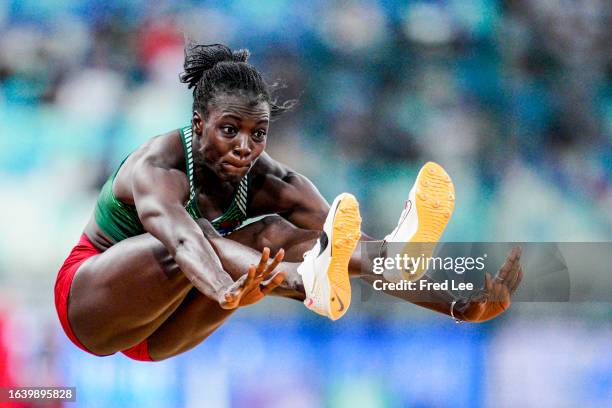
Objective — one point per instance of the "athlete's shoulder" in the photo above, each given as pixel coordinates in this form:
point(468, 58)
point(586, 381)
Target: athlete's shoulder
point(276, 186)
point(164, 150)
point(267, 171)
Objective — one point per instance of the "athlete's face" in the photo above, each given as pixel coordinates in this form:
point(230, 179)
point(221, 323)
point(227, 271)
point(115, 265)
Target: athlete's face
point(233, 135)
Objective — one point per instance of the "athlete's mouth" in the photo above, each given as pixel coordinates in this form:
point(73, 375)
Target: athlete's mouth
point(236, 166)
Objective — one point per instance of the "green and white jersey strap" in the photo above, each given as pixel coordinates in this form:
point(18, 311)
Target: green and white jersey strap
point(187, 139)
point(241, 194)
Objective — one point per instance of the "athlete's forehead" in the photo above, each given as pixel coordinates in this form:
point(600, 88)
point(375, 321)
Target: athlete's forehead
point(240, 107)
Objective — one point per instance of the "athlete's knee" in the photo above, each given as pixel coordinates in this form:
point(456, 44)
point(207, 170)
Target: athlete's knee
point(275, 224)
point(274, 232)
point(119, 342)
point(99, 345)
point(139, 352)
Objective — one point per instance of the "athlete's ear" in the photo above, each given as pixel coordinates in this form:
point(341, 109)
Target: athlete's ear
point(197, 122)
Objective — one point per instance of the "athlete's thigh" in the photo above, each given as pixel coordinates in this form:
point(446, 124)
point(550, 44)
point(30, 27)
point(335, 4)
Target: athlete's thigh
point(193, 321)
point(125, 292)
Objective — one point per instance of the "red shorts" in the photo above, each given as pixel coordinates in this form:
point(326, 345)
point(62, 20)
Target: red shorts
point(79, 254)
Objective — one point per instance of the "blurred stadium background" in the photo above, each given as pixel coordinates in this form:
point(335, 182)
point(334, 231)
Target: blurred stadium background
point(514, 98)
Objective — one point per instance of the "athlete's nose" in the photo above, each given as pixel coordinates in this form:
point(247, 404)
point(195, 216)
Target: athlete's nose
point(241, 148)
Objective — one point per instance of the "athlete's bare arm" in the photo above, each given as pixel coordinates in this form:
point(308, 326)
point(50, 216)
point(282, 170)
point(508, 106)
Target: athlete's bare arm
point(159, 194)
point(280, 190)
point(159, 191)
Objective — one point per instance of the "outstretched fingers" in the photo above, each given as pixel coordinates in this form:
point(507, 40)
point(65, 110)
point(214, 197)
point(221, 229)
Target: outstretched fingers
point(501, 287)
point(270, 282)
point(238, 288)
point(517, 280)
point(278, 258)
point(509, 265)
point(261, 267)
point(488, 283)
point(273, 283)
point(249, 289)
point(483, 295)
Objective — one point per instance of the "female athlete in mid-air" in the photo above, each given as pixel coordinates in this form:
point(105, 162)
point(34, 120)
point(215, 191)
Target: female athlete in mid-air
point(163, 261)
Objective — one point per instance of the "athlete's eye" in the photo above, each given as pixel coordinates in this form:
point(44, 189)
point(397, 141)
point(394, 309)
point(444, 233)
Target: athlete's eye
point(260, 135)
point(228, 130)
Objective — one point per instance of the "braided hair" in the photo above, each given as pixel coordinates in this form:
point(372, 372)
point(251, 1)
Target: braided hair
point(214, 69)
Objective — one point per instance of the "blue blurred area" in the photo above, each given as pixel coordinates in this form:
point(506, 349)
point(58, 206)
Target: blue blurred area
point(358, 362)
point(513, 98)
point(273, 363)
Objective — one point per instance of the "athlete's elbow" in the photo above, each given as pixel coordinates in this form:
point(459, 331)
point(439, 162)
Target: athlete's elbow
point(181, 244)
point(162, 227)
point(150, 217)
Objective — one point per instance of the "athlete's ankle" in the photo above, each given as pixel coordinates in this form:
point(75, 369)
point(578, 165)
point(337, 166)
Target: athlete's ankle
point(292, 286)
point(294, 282)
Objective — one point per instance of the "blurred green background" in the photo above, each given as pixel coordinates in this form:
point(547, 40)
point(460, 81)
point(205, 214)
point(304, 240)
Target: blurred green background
point(513, 98)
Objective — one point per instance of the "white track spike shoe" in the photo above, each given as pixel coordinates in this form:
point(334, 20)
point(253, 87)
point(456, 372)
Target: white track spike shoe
point(325, 267)
point(428, 209)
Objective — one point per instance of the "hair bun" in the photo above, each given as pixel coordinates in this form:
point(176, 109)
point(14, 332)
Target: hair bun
point(200, 58)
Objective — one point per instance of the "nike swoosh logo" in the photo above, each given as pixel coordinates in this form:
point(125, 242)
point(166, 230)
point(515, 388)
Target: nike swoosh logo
point(339, 300)
point(407, 209)
point(323, 242)
point(331, 251)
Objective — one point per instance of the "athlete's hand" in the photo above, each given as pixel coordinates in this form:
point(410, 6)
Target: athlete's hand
point(257, 283)
point(494, 298)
